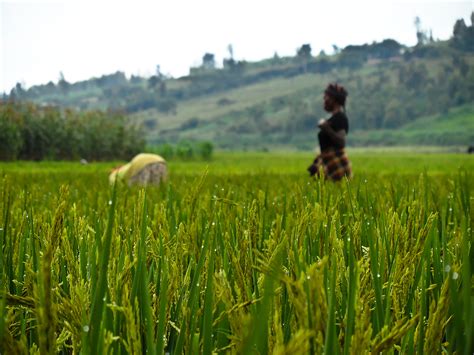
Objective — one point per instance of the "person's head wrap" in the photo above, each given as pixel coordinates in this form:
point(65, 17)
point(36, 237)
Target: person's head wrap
point(338, 92)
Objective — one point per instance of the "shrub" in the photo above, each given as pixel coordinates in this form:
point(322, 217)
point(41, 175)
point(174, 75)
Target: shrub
point(10, 134)
point(185, 150)
point(205, 150)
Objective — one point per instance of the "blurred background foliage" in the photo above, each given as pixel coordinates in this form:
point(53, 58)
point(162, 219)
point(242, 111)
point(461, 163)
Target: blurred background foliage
point(398, 95)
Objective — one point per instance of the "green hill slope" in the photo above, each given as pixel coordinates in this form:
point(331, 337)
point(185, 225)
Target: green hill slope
point(397, 96)
point(386, 98)
point(453, 128)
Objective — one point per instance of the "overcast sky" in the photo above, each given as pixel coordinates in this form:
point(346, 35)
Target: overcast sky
point(40, 39)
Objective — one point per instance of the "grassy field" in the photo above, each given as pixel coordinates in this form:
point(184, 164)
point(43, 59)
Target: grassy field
point(242, 254)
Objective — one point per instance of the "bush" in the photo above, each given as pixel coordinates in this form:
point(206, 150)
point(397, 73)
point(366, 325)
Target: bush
point(166, 151)
point(10, 134)
point(185, 150)
point(205, 150)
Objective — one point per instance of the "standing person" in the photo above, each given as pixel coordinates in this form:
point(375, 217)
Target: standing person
point(333, 162)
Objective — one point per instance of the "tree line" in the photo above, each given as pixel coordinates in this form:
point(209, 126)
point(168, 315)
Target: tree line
point(31, 132)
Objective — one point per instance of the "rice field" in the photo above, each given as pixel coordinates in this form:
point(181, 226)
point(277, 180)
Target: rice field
point(244, 254)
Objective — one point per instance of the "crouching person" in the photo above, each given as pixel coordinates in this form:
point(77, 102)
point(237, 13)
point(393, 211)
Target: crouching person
point(143, 170)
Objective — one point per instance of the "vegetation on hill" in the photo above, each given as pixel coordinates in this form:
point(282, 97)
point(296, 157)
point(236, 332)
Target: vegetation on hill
point(277, 101)
point(455, 127)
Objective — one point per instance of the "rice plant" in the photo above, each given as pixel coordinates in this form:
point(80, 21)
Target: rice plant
point(231, 262)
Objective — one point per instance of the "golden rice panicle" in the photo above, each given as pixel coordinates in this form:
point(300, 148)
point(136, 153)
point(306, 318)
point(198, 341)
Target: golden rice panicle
point(252, 230)
point(70, 259)
point(336, 247)
point(298, 299)
point(278, 338)
point(319, 298)
point(360, 342)
point(109, 340)
point(46, 308)
point(236, 313)
point(389, 336)
point(437, 321)
point(241, 271)
point(309, 290)
point(406, 261)
point(355, 235)
point(71, 310)
point(131, 336)
point(298, 344)
point(8, 344)
point(366, 288)
point(63, 340)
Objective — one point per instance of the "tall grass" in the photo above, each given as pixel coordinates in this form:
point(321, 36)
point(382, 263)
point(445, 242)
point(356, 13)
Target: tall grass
point(238, 263)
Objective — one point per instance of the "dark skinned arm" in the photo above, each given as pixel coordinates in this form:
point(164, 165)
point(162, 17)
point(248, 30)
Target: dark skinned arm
point(338, 137)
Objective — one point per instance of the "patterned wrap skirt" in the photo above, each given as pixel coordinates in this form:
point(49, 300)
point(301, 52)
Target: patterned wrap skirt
point(332, 164)
point(151, 174)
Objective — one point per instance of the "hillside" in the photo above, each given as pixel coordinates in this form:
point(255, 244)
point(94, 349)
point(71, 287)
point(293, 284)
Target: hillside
point(443, 129)
point(397, 95)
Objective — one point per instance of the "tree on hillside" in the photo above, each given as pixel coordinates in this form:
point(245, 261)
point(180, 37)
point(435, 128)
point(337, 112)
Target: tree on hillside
point(135, 79)
point(459, 29)
point(413, 77)
point(208, 61)
point(229, 63)
point(463, 35)
point(112, 80)
point(421, 36)
point(256, 113)
point(304, 55)
point(388, 48)
point(302, 117)
point(153, 82)
point(49, 88)
point(352, 58)
point(461, 64)
point(304, 51)
point(17, 92)
point(63, 84)
point(431, 38)
point(395, 114)
point(275, 59)
point(157, 81)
